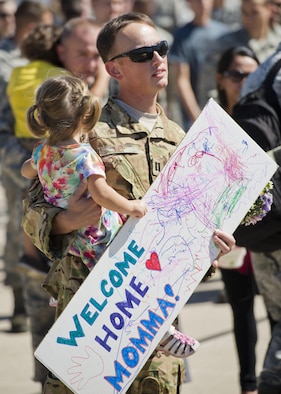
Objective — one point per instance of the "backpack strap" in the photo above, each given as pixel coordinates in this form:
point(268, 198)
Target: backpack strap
point(267, 91)
point(275, 153)
point(272, 74)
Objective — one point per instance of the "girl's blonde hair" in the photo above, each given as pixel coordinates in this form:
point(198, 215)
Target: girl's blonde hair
point(62, 105)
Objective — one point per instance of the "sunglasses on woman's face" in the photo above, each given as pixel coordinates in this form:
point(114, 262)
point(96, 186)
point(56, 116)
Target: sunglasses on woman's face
point(235, 76)
point(144, 54)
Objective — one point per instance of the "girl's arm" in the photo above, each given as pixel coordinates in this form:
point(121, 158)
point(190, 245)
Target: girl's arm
point(28, 171)
point(108, 198)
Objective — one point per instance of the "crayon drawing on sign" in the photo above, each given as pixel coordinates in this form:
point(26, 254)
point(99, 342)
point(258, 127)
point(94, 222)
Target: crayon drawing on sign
point(147, 274)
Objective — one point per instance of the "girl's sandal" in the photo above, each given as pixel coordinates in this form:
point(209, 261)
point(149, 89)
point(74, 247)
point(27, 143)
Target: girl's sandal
point(177, 344)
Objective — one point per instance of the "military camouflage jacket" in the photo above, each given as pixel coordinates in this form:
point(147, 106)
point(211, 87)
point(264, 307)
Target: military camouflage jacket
point(133, 156)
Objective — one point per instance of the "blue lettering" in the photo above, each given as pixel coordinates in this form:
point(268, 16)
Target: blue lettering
point(150, 324)
point(97, 305)
point(164, 305)
point(104, 292)
point(134, 249)
point(115, 278)
point(79, 333)
point(114, 317)
point(140, 342)
point(119, 372)
point(137, 287)
point(127, 304)
point(102, 342)
point(88, 316)
point(107, 289)
point(123, 265)
point(130, 356)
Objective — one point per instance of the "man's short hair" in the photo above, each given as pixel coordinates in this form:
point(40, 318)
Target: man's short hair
point(30, 11)
point(107, 35)
point(70, 26)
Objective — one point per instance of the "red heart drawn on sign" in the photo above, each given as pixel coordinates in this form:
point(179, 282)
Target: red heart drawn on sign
point(153, 263)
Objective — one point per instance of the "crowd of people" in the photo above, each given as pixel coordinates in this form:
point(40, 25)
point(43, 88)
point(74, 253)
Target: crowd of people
point(183, 52)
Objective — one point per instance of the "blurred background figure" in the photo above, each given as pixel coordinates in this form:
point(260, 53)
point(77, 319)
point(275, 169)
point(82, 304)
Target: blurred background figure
point(149, 7)
point(171, 14)
point(276, 10)
point(233, 67)
point(258, 31)
point(227, 11)
point(105, 10)
point(187, 56)
point(7, 18)
point(78, 53)
point(75, 8)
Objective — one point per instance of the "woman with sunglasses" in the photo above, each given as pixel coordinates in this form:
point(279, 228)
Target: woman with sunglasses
point(234, 65)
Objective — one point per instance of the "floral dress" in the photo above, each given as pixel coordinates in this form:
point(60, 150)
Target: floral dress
point(60, 170)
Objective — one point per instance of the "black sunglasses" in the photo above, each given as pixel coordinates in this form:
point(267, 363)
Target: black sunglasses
point(144, 54)
point(235, 76)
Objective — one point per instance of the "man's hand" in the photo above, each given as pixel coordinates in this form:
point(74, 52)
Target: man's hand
point(225, 242)
point(81, 212)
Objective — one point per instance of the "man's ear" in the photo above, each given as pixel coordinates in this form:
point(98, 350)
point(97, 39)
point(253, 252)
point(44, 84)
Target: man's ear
point(113, 71)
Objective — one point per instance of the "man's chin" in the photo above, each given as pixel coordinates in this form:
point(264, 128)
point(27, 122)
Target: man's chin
point(162, 84)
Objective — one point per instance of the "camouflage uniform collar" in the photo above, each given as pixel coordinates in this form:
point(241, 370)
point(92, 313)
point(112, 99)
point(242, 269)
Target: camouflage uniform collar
point(117, 117)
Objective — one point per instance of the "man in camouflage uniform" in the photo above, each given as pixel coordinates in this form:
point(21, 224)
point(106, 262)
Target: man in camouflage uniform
point(135, 139)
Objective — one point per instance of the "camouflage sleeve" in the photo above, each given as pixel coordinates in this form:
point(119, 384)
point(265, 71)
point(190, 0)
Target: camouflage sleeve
point(37, 222)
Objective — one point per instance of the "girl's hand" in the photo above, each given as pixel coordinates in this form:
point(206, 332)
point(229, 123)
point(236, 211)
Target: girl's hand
point(139, 208)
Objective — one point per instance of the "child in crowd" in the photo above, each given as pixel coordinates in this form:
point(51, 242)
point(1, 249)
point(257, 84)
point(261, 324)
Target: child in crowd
point(65, 112)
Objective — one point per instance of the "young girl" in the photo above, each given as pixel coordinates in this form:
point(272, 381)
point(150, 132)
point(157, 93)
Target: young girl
point(65, 112)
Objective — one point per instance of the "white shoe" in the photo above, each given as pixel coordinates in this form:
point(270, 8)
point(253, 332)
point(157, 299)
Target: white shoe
point(178, 344)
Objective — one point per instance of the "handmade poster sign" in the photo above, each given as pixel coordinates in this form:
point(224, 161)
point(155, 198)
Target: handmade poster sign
point(143, 280)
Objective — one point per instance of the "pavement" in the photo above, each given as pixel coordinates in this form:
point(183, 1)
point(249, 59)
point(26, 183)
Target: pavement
point(212, 370)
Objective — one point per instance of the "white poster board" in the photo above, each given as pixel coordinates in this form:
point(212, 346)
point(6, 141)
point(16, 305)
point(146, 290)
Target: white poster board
point(143, 280)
